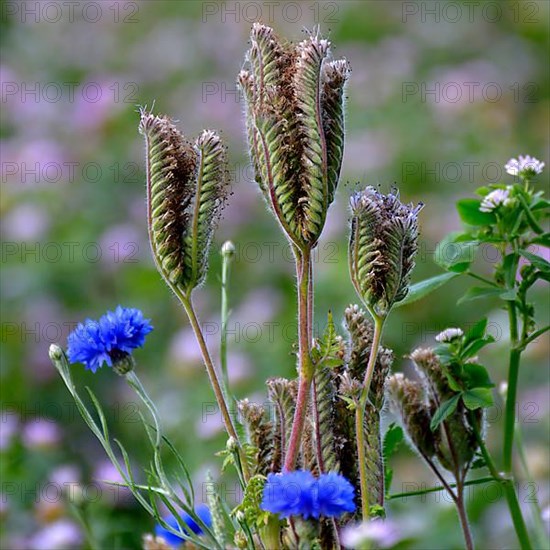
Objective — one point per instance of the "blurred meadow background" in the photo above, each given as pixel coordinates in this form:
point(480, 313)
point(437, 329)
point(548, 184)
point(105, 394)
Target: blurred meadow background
point(441, 95)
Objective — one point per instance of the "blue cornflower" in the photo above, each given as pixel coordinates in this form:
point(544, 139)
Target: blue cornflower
point(335, 495)
point(202, 511)
point(299, 493)
point(109, 340)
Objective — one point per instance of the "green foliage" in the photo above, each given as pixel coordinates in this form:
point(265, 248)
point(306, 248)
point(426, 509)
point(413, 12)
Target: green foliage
point(424, 288)
point(393, 438)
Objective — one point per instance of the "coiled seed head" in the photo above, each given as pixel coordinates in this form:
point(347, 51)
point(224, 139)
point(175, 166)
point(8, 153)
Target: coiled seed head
point(408, 400)
point(295, 123)
point(382, 247)
point(186, 189)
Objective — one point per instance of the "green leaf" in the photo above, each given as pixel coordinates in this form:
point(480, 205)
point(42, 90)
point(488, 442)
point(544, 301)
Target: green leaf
point(478, 463)
point(423, 288)
point(543, 240)
point(455, 255)
point(537, 261)
point(540, 204)
point(477, 397)
point(476, 332)
point(444, 410)
point(478, 292)
point(476, 376)
point(471, 349)
point(453, 384)
point(392, 439)
point(444, 353)
point(509, 269)
point(483, 191)
point(468, 210)
point(509, 295)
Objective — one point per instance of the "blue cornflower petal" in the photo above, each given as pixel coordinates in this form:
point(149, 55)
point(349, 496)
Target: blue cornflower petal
point(86, 345)
point(94, 342)
point(335, 495)
point(289, 494)
point(202, 512)
point(299, 493)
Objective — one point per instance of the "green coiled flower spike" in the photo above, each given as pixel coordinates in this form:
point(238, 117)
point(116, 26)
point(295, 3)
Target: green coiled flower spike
point(186, 189)
point(382, 248)
point(295, 123)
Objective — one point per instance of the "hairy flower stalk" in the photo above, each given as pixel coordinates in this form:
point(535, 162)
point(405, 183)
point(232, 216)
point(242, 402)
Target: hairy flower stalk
point(294, 99)
point(186, 189)
point(382, 247)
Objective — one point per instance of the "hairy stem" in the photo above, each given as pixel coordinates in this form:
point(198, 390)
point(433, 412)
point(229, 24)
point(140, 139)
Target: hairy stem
point(360, 416)
point(536, 513)
point(214, 381)
point(506, 481)
point(461, 508)
point(226, 261)
point(511, 394)
point(305, 365)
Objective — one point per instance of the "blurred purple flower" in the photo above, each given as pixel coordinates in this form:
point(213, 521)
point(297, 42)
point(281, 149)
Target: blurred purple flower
point(121, 245)
point(66, 474)
point(25, 222)
point(41, 433)
point(384, 534)
point(60, 535)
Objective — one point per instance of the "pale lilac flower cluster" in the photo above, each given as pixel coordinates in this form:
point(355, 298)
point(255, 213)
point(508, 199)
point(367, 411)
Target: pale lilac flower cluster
point(495, 199)
point(524, 166)
point(449, 334)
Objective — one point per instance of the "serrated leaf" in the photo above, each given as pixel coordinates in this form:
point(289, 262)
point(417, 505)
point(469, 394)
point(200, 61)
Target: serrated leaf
point(479, 292)
point(476, 376)
point(538, 261)
point(444, 410)
point(423, 288)
point(468, 210)
point(477, 397)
